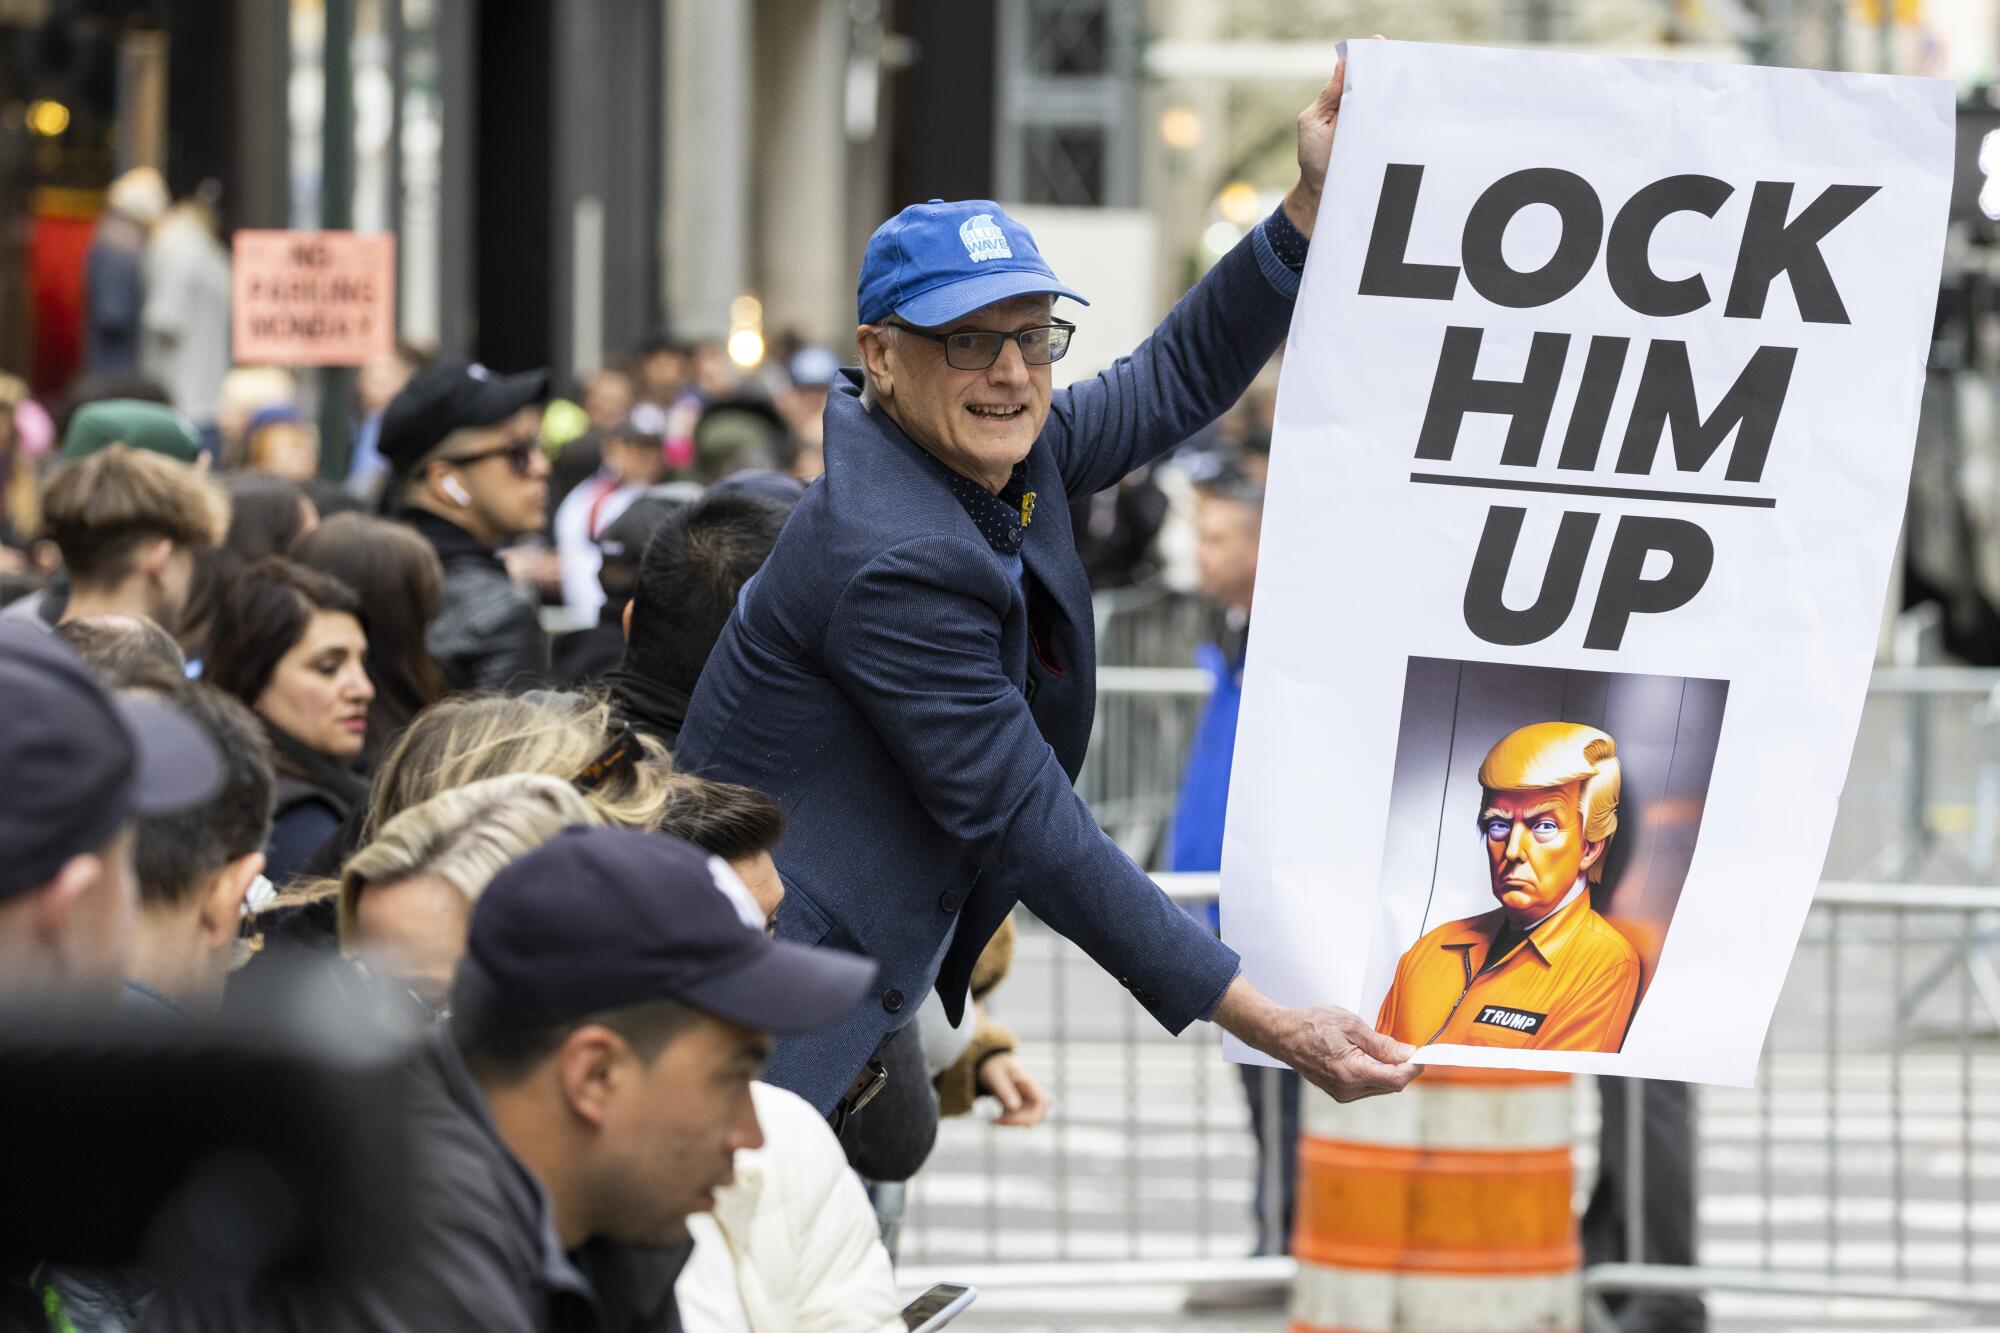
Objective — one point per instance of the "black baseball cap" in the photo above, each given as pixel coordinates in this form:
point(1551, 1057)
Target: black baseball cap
point(601, 919)
point(451, 395)
point(624, 540)
point(80, 763)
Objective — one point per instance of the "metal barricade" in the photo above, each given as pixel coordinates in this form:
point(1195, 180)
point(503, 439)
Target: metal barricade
point(1146, 718)
point(1859, 1170)
point(1145, 1170)
point(1853, 1172)
point(1860, 1167)
point(1149, 625)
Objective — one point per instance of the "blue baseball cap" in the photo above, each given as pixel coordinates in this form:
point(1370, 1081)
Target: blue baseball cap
point(936, 262)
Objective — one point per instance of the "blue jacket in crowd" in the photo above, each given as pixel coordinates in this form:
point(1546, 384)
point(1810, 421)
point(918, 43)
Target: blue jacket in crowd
point(878, 679)
point(1204, 801)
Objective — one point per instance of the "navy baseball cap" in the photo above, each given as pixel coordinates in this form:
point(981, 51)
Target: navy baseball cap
point(80, 763)
point(777, 487)
point(936, 262)
point(451, 395)
point(598, 919)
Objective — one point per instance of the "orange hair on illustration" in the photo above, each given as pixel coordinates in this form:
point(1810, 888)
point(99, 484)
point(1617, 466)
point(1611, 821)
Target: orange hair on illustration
point(1554, 754)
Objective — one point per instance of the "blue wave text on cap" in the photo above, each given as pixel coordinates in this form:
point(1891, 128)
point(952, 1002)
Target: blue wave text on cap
point(936, 262)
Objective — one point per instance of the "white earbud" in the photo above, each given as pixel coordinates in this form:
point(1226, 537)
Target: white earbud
point(456, 490)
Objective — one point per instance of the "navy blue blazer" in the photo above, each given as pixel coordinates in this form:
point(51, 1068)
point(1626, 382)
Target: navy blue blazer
point(878, 679)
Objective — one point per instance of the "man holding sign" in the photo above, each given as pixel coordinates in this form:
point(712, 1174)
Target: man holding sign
point(912, 673)
point(1596, 423)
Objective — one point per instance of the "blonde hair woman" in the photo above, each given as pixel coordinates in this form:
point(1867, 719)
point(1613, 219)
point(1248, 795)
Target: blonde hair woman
point(625, 777)
point(406, 898)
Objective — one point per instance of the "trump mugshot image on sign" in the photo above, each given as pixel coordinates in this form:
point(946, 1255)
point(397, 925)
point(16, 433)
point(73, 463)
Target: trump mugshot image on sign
point(1540, 827)
point(1593, 434)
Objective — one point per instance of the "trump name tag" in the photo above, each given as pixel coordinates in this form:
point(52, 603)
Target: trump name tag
point(1514, 1020)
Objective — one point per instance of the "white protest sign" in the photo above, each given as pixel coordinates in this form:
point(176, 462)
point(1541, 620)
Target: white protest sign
point(1591, 448)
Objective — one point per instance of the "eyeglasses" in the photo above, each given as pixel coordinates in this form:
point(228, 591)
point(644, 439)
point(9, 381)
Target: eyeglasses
point(520, 456)
point(1040, 345)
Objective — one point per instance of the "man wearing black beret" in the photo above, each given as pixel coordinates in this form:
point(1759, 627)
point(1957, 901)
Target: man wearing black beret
point(467, 469)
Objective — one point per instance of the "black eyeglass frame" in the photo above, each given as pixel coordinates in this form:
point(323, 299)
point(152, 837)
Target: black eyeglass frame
point(520, 456)
point(1068, 330)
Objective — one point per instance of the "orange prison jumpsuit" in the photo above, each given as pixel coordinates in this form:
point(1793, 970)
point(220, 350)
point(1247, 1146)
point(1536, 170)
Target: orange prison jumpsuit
point(1569, 986)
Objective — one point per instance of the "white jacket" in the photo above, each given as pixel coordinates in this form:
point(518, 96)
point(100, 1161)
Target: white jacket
point(792, 1243)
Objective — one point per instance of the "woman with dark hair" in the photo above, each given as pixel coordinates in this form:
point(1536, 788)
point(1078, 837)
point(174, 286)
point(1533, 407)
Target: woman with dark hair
point(267, 515)
point(396, 574)
point(289, 642)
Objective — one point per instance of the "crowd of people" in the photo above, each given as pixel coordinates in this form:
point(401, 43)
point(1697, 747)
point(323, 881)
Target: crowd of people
point(688, 916)
point(317, 727)
point(379, 728)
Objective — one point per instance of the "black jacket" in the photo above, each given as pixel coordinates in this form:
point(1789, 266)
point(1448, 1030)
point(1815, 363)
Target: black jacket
point(489, 634)
point(649, 705)
point(314, 795)
point(486, 1255)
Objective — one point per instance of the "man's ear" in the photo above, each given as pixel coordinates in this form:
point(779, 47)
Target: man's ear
point(55, 900)
point(872, 341)
point(589, 1066)
point(222, 900)
point(153, 558)
point(1593, 852)
point(625, 619)
point(432, 478)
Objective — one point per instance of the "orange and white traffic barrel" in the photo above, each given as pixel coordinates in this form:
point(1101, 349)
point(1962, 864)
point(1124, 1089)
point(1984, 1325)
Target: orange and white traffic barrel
point(1444, 1209)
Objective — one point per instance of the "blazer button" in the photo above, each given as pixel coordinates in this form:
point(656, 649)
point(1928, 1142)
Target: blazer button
point(893, 1001)
point(948, 902)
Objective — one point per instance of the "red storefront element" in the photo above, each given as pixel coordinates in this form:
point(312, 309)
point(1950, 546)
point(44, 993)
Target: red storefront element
point(63, 223)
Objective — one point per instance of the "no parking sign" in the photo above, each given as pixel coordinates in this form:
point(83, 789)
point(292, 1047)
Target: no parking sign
point(313, 298)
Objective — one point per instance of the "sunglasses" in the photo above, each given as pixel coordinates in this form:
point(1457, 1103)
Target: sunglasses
point(520, 456)
point(1040, 345)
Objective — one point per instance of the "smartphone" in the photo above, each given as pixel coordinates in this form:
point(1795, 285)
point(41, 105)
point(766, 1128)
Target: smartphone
point(938, 1307)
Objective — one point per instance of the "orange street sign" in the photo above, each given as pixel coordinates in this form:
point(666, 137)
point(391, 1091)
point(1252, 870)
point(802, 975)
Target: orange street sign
point(313, 298)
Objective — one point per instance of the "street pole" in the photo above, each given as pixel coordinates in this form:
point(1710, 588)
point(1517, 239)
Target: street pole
point(336, 213)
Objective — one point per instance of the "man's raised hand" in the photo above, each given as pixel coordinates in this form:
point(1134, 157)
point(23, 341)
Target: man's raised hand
point(1316, 125)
